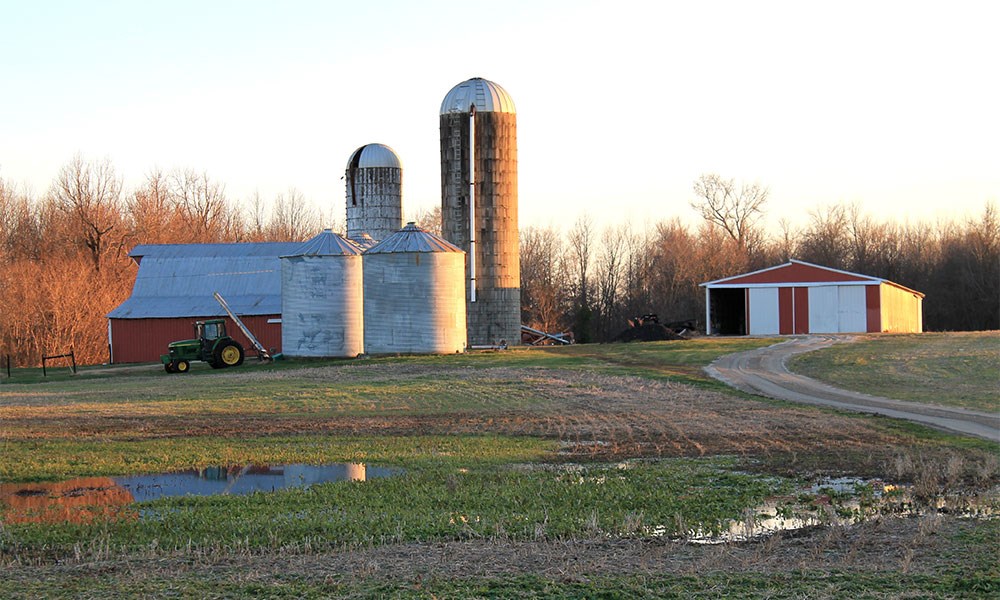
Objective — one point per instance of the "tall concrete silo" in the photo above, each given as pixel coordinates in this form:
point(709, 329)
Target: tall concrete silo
point(322, 298)
point(374, 179)
point(414, 294)
point(479, 162)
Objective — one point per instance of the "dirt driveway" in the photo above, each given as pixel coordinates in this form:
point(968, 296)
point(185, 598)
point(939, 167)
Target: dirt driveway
point(764, 372)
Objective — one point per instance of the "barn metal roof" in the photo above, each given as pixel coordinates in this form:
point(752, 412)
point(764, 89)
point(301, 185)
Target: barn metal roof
point(486, 95)
point(326, 243)
point(374, 155)
point(412, 239)
point(178, 280)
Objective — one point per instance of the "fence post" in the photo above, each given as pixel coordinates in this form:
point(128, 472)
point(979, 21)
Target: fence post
point(44, 374)
point(72, 357)
point(8, 366)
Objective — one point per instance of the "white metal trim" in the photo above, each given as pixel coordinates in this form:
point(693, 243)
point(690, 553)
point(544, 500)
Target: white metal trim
point(784, 285)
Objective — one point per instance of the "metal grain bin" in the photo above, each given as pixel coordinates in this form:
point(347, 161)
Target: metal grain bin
point(414, 294)
point(322, 303)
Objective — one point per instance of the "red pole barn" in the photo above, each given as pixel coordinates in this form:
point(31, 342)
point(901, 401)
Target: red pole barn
point(174, 288)
point(799, 298)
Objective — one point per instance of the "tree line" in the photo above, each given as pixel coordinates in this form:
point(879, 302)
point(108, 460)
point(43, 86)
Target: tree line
point(64, 255)
point(65, 264)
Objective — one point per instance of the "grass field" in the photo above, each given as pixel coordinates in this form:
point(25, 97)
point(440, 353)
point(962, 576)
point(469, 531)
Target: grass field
point(560, 472)
point(953, 369)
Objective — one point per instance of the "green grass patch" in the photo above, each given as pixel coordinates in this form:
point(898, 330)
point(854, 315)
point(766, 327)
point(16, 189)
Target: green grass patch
point(952, 369)
point(712, 584)
point(55, 460)
point(436, 498)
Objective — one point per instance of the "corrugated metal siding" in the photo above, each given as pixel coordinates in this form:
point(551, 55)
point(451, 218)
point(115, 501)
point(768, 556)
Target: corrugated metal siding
point(322, 306)
point(852, 314)
point(800, 301)
point(144, 340)
point(786, 315)
point(902, 310)
point(764, 317)
point(414, 302)
point(872, 306)
point(823, 309)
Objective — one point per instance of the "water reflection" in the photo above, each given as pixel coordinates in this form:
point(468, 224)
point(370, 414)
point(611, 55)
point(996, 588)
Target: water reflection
point(87, 499)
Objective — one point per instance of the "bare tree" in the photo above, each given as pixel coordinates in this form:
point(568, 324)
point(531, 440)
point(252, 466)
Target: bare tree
point(827, 240)
point(734, 208)
point(542, 279)
point(89, 193)
point(202, 204)
point(257, 226)
point(150, 211)
point(581, 241)
point(291, 218)
point(430, 220)
point(610, 276)
point(20, 236)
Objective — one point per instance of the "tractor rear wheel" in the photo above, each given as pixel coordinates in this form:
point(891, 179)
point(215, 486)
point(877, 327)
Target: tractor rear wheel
point(230, 354)
point(182, 366)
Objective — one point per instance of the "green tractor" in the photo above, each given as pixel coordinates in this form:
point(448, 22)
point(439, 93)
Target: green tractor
point(211, 345)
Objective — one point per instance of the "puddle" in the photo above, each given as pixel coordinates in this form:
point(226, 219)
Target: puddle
point(87, 499)
point(834, 502)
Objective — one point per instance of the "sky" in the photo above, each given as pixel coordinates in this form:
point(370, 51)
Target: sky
point(621, 105)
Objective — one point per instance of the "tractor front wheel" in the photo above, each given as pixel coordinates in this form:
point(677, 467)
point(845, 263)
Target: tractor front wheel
point(230, 354)
point(168, 367)
point(182, 366)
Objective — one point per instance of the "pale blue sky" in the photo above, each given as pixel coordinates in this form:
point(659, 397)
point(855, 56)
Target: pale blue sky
point(621, 105)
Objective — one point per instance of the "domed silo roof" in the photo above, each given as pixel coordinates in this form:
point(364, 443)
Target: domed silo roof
point(414, 291)
point(374, 156)
point(327, 243)
point(486, 95)
point(322, 298)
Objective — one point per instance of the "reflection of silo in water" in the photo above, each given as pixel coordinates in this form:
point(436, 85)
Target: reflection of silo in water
point(355, 472)
point(479, 160)
point(321, 298)
point(414, 294)
point(374, 192)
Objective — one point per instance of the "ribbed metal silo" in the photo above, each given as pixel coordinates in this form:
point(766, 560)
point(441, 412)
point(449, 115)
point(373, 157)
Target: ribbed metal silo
point(374, 179)
point(479, 160)
point(414, 294)
point(322, 306)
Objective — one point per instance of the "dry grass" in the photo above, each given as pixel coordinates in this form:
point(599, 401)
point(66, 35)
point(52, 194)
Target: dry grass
point(592, 413)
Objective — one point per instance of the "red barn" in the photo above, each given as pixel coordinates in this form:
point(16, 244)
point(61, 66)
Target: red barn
point(174, 288)
point(798, 298)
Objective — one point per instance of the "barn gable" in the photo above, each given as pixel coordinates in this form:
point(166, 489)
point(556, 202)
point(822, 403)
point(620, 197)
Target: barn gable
point(794, 271)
